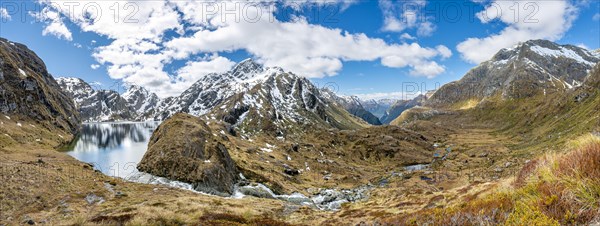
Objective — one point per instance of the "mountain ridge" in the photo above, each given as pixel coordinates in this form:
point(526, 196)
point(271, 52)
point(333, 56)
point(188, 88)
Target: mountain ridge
point(531, 67)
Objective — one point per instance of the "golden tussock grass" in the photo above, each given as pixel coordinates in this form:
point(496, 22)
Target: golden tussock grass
point(551, 190)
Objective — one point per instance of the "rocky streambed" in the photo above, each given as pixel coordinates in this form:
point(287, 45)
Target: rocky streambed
point(320, 198)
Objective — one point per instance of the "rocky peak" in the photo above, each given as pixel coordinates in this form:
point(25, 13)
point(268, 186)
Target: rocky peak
point(543, 51)
point(74, 85)
point(138, 93)
point(140, 99)
point(246, 69)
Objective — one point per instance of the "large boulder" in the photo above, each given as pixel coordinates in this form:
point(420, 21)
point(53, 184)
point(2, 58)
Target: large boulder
point(184, 148)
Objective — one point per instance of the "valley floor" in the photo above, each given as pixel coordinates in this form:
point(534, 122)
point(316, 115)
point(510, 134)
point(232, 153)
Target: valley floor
point(474, 162)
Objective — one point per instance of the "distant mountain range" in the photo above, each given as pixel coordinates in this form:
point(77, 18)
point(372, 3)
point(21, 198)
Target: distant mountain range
point(211, 90)
point(524, 70)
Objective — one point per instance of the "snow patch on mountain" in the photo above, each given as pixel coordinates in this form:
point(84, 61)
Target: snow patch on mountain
point(561, 52)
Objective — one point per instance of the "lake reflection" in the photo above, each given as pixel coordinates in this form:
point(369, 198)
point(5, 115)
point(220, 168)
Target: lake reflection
point(113, 148)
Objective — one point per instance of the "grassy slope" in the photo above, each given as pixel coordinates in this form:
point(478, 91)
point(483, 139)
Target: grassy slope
point(47, 186)
point(553, 189)
point(546, 192)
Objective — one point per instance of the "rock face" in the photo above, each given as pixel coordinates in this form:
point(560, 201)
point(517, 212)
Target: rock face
point(400, 106)
point(183, 148)
point(108, 105)
point(593, 79)
point(28, 90)
point(530, 68)
point(353, 105)
point(141, 100)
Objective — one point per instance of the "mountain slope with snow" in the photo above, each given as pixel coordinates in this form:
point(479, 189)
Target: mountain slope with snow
point(530, 68)
point(400, 106)
point(283, 104)
point(353, 105)
point(213, 89)
point(253, 85)
point(109, 105)
point(141, 100)
point(378, 107)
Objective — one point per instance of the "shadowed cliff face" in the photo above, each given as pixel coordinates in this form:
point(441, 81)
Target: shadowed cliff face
point(27, 90)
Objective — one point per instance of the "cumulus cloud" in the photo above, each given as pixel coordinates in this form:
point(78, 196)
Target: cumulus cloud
point(539, 20)
point(406, 36)
point(94, 66)
point(444, 51)
point(596, 17)
point(343, 4)
point(309, 50)
point(399, 16)
point(198, 30)
point(4, 14)
point(194, 70)
point(54, 23)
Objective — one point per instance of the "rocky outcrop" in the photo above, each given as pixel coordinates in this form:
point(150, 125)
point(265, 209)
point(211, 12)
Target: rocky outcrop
point(27, 90)
point(184, 148)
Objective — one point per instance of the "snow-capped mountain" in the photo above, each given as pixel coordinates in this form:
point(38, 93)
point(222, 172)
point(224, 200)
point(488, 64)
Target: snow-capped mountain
point(378, 107)
point(214, 89)
point(108, 105)
point(353, 105)
point(280, 104)
point(141, 100)
point(530, 68)
point(400, 106)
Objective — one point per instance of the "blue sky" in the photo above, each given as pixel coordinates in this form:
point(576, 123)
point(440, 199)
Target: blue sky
point(373, 49)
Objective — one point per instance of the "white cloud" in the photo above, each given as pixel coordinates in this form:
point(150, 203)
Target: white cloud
point(343, 4)
point(54, 23)
point(402, 15)
point(444, 51)
point(139, 51)
point(406, 36)
point(94, 66)
point(596, 17)
point(194, 70)
point(551, 21)
point(581, 45)
point(4, 14)
point(309, 50)
point(429, 69)
point(426, 29)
